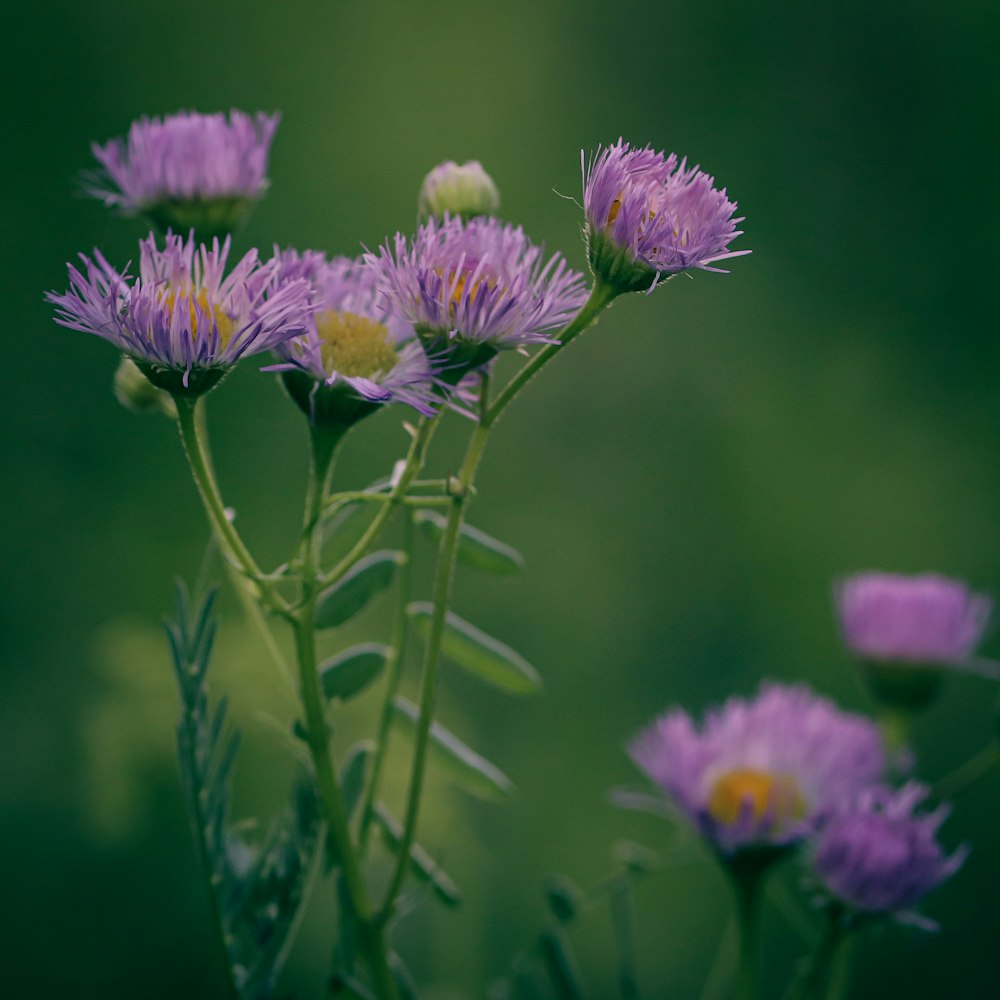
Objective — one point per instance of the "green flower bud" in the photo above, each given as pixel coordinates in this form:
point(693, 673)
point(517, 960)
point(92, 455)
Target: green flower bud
point(136, 393)
point(465, 190)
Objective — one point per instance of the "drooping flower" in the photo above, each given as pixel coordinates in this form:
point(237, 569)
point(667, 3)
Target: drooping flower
point(878, 855)
point(473, 288)
point(187, 170)
point(649, 215)
point(926, 620)
point(761, 773)
point(458, 189)
point(355, 354)
point(183, 320)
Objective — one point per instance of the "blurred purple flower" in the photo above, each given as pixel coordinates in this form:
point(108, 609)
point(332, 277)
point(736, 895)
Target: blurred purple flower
point(762, 772)
point(927, 619)
point(479, 283)
point(877, 855)
point(183, 314)
point(649, 215)
point(185, 157)
point(353, 339)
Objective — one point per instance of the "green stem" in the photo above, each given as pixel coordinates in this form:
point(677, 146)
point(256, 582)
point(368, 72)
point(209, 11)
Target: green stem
point(432, 651)
point(414, 459)
point(194, 435)
point(371, 937)
point(601, 296)
point(965, 775)
point(394, 673)
point(748, 882)
point(815, 970)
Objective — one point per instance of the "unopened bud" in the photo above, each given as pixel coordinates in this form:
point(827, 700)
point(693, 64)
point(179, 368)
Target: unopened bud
point(465, 190)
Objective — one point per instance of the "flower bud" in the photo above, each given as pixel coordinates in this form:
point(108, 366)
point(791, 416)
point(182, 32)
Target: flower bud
point(465, 190)
point(136, 393)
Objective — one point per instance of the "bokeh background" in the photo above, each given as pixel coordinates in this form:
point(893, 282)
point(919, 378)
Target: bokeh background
point(687, 481)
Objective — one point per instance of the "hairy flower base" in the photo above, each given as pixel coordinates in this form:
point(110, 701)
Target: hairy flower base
point(904, 685)
point(336, 405)
point(463, 355)
point(616, 266)
point(209, 218)
point(190, 384)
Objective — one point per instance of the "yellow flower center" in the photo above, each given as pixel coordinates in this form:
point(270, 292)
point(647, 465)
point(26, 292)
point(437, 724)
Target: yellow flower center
point(756, 794)
point(354, 345)
point(456, 279)
point(200, 303)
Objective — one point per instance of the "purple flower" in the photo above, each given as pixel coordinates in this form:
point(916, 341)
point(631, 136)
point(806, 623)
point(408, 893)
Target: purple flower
point(879, 856)
point(183, 320)
point(763, 772)
point(352, 341)
point(927, 620)
point(187, 169)
point(649, 215)
point(476, 287)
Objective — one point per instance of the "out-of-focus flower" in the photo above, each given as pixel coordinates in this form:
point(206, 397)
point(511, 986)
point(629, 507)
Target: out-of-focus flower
point(458, 189)
point(650, 215)
point(473, 288)
point(355, 355)
point(879, 856)
point(927, 619)
point(183, 320)
point(761, 773)
point(186, 170)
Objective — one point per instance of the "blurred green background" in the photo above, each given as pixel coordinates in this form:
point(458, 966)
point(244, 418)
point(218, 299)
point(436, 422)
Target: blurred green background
point(686, 481)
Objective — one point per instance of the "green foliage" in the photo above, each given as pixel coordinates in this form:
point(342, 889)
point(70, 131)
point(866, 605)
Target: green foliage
point(256, 888)
point(478, 653)
point(350, 672)
point(421, 863)
point(475, 547)
point(457, 761)
point(344, 599)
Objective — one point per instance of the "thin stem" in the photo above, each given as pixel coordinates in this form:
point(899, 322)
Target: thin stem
point(815, 969)
point(432, 651)
point(973, 770)
point(317, 732)
point(414, 459)
point(394, 673)
point(601, 296)
point(748, 882)
point(194, 435)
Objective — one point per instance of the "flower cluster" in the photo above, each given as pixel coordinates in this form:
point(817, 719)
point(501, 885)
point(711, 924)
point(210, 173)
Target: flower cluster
point(763, 772)
point(927, 619)
point(183, 320)
point(477, 287)
point(354, 348)
point(187, 169)
point(878, 855)
point(650, 214)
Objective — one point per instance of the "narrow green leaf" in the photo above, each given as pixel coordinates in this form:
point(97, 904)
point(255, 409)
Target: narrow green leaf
point(457, 761)
point(563, 896)
point(478, 653)
point(350, 672)
point(348, 596)
point(352, 774)
point(561, 965)
point(423, 865)
point(475, 547)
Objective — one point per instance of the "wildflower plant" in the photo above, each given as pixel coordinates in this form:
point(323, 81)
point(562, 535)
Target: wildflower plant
point(417, 324)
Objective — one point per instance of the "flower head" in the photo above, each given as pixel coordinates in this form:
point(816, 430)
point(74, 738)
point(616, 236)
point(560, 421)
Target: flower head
point(187, 169)
point(761, 773)
point(928, 620)
point(878, 855)
point(649, 214)
point(465, 190)
point(183, 320)
point(476, 287)
point(354, 354)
